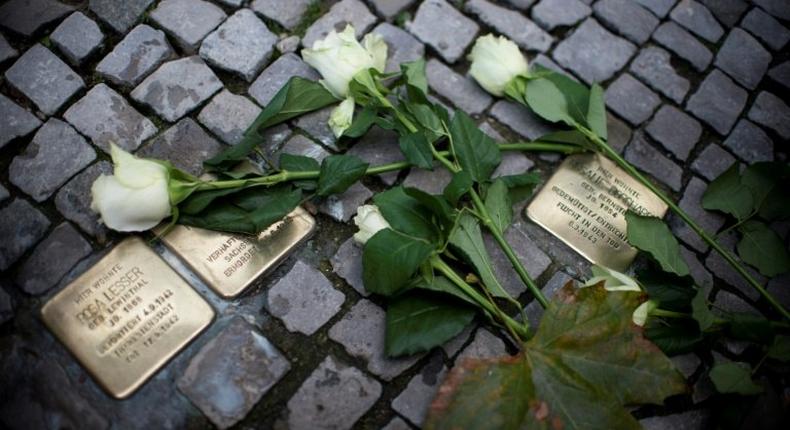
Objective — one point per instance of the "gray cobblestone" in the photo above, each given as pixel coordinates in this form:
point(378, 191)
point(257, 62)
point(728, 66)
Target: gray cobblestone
point(413, 402)
point(523, 4)
point(228, 115)
point(316, 124)
point(534, 311)
point(77, 37)
point(288, 44)
point(730, 302)
point(185, 144)
point(4, 194)
point(484, 345)
point(432, 182)
point(659, 7)
point(551, 14)
point(777, 8)
point(768, 29)
point(712, 162)
point(534, 260)
point(140, 52)
point(26, 17)
point(653, 66)
point(619, 133)
point(334, 396)
point(26, 227)
point(697, 19)
point(391, 8)
point(15, 121)
point(56, 153)
point(727, 11)
point(462, 91)
point(376, 147)
point(718, 101)
point(520, 119)
point(722, 270)
point(74, 200)
point(675, 130)
point(121, 16)
point(277, 74)
point(286, 13)
point(347, 263)
point(341, 207)
point(444, 28)
point(344, 12)
point(781, 74)
point(396, 423)
point(512, 24)
point(188, 21)
point(242, 44)
point(697, 419)
point(744, 58)
point(6, 50)
point(770, 111)
point(628, 18)
point(648, 159)
point(452, 346)
point(361, 332)
point(513, 163)
point(631, 99)
point(44, 78)
point(702, 278)
point(105, 116)
point(402, 47)
point(691, 203)
point(593, 53)
point(300, 145)
point(7, 307)
point(231, 373)
point(750, 142)
point(683, 44)
point(52, 259)
point(779, 287)
point(177, 87)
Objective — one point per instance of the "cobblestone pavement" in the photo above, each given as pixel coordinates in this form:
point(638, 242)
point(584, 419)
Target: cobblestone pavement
point(692, 87)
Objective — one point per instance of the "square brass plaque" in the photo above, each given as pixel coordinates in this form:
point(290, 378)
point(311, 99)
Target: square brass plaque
point(127, 316)
point(584, 204)
point(230, 263)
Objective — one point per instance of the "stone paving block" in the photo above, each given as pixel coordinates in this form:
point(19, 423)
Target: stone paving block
point(513, 163)
point(702, 278)
point(675, 130)
point(696, 18)
point(342, 207)
point(520, 119)
point(73, 200)
point(722, 270)
point(691, 203)
point(712, 162)
point(551, 14)
point(543, 60)
point(461, 91)
point(697, 419)
point(534, 260)
point(15, 121)
point(228, 116)
point(628, 18)
point(750, 142)
point(177, 87)
point(121, 16)
point(727, 11)
point(396, 423)
point(777, 8)
point(304, 300)
point(402, 47)
point(618, 133)
point(781, 74)
point(333, 397)
point(316, 124)
point(4, 194)
point(413, 402)
point(231, 373)
point(361, 332)
point(524, 4)
point(277, 74)
point(659, 7)
point(342, 13)
point(105, 116)
point(24, 226)
point(188, 21)
point(452, 346)
point(653, 66)
point(534, 310)
point(7, 308)
point(286, 13)
point(300, 145)
point(77, 37)
point(729, 302)
point(593, 53)
point(648, 159)
point(444, 28)
point(347, 263)
point(779, 287)
point(765, 27)
point(377, 147)
point(185, 144)
point(44, 78)
point(6, 50)
point(770, 111)
point(56, 153)
point(52, 259)
point(485, 345)
point(28, 16)
point(744, 58)
point(512, 24)
point(242, 44)
point(718, 101)
point(133, 58)
point(391, 8)
point(683, 44)
point(288, 44)
point(432, 182)
point(631, 99)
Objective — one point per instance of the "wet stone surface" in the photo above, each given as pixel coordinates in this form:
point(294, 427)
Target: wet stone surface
point(133, 58)
point(44, 78)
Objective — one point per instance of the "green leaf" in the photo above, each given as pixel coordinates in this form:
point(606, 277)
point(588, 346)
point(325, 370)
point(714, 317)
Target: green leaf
point(499, 205)
point(417, 150)
point(418, 322)
point(761, 247)
point(362, 122)
point(406, 214)
point(727, 194)
point(701, 312)
point(297, 97)
point(414, 73)
point(389, 259)
point(651, 235)
point(199, 201)
point(768, 183)
point(677, 337)
point(477, 153)
point(734, 378)
point(300, 163)
point(467, 240)
point(596, 111)
point(520, 187)
point(442, 285)
point(458, 187)
point(546, 100)
point(577, 95)
point(750, 328)
point(437, 204)
point(586, 361)
point(426, 117)
point(338, 172)
point(672, 292)
point(780, 349)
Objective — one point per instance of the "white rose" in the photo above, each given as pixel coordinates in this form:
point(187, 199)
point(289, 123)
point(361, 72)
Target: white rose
point(339, 57)
point(641, 313)
point(496, 62)
point(612, 279)
point(136, 197)
point(370, 221)
point(342, 116)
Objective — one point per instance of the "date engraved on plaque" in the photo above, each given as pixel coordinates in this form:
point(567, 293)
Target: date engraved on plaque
point(584, 205)
point(127, 316)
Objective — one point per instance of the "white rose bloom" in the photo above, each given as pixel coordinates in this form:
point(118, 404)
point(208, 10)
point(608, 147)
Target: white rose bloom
point(641, 313)
point(613, 280)
point(135, 197)
point(339, 56)
point(342, 116)
point(370, 221)
point(496, 62)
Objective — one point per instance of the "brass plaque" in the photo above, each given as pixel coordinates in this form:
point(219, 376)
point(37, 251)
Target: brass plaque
point(584, 204)
point(230, 263)
point(127, 316)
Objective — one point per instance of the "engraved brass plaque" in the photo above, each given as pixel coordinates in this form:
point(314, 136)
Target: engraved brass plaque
point(584, 204)
point(127, 316)
point(230, 263)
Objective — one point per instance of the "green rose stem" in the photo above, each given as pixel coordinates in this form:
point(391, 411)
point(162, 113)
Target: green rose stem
point(658, 312)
